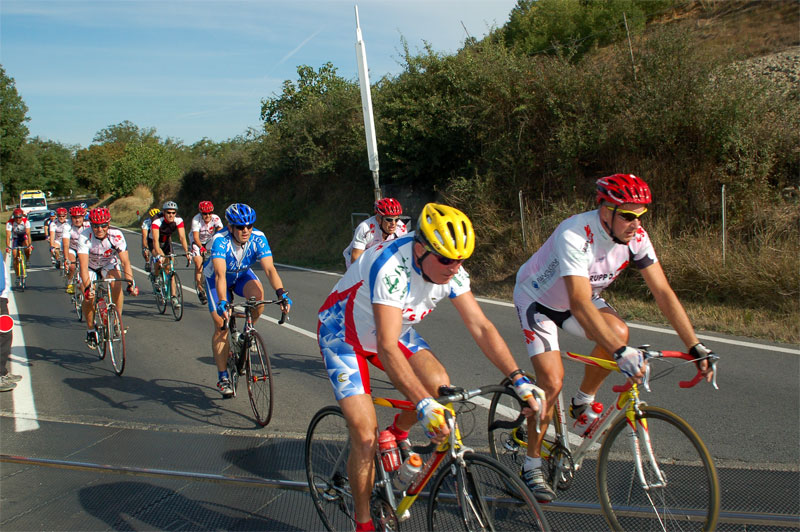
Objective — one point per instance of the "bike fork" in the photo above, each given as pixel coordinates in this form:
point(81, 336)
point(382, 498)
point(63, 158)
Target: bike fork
point(640, 437)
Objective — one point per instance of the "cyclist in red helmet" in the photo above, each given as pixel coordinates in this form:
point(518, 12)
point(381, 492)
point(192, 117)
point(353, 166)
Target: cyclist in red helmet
point(385, 225)
point(57, 229)
point(102, 253)
point(69, 242)
point(18, 235)
point(204, 224)
point(559, 288)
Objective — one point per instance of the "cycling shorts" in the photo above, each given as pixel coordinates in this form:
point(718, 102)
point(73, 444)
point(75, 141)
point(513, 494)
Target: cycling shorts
point(540, 324)
point(19, 241)
point(347, 365)
point(166, 247)
point(238, 288)
point(101, 273)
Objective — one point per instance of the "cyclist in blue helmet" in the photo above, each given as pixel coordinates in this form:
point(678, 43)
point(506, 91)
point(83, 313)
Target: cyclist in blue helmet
point(233, 251)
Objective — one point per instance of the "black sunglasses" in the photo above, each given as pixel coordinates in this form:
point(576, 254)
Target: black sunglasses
point(243, 227)
point(444, 261)
point(391, 220)
point(102, 226)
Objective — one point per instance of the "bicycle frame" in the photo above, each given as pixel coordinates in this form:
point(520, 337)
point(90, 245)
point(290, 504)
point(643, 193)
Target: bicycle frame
point(627, 404)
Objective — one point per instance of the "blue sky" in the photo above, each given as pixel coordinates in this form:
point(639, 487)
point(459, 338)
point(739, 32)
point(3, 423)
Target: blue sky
point(199, 68)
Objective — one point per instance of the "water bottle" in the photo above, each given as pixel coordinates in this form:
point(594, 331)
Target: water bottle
point(407, 471)
point(390, 453)
point(235, 338)
point(585, 420)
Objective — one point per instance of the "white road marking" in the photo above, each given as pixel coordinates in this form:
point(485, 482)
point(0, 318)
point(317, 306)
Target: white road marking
point(24, 405)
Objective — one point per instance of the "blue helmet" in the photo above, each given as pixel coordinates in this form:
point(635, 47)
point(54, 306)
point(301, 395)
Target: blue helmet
point(52, 213)
point(240, 214)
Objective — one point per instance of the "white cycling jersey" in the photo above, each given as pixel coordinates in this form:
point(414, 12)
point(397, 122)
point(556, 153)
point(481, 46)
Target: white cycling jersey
point(384, 274)
point(102, 253)
point(73, 233)
point(368, 234)
point(58, 228)
point(579, 246)
point(205, 230)
point(17, 229)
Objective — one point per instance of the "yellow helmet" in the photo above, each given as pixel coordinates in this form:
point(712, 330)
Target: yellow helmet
point(152, 212)
point(446, 231)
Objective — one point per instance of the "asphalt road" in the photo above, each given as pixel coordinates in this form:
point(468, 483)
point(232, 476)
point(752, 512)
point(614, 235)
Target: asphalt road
point(168, 388)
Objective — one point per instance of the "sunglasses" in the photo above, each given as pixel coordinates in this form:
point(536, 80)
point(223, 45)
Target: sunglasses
point(243, 227)
point(171, 212)
point(101, 226)
point(630, 216)
point(391, 220)
point(444, 261)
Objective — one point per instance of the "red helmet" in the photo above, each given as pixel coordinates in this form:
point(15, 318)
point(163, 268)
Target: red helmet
point(388, 207)
point(61, 211)
point(623, 188)
point(18, 213)
point(77, 210)
point(206, 207)
point(100, 215)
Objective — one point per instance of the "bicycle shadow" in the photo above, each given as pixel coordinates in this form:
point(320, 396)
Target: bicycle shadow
point(280, 459)
point(70, 359)
point(310, 365)
point(129, 505)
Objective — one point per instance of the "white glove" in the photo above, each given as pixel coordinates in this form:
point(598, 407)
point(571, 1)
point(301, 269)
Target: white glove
point(629, 360)
point(526, 390)
point(431, 415)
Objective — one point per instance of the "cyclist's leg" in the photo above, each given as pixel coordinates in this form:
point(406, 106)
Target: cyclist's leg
point(362, 424)
point(198, 266)
point(88, 304)
point(219, 340)
point(249, 286)
point(594, 376)
point(349, 375)
point(117, 294)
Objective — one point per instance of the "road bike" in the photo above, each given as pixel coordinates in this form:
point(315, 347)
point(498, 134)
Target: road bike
point(76, 297)
point(470, 492)
point(55, 258)
point(653, 470)
point(108, 324)
point(21, 268)
point(163, 288)
point(249, 358)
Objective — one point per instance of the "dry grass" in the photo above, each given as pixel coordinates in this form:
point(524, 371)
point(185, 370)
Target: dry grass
point(123, 210)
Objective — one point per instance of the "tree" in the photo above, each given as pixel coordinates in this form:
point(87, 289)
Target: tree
point(149, 164)
point(13, 132)
point(123, 133)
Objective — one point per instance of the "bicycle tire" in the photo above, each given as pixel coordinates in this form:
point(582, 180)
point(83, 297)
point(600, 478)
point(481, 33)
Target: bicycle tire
point(481, 494)
point(259, 378)
point(115, 340)
point(101, 334)
point(77, 301)
point(233, 374)
point(160, 292)
point(692, 502)
point(327, 448)
point(508, 443)
point(177, 310)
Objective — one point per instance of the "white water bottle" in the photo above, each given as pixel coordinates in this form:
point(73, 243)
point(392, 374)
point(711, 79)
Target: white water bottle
point(587, 417)
point(406, 473)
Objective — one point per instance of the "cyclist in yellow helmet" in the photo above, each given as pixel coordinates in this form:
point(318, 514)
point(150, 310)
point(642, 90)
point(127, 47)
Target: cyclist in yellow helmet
point(152, 215)
point(369, 316)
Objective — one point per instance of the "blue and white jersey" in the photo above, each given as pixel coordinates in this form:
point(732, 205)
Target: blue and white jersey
point(238, 259)
point(384, 274)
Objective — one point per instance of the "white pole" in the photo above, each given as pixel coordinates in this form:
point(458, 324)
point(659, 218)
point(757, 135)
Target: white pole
point(366, 107)
point(630, 46)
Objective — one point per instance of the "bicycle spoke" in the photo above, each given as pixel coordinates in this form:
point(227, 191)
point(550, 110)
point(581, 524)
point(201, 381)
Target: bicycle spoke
point(176, 300)
point(674, 488)
point(259, 379)
point(116, 340)
point(326, 451)
point(481, 495)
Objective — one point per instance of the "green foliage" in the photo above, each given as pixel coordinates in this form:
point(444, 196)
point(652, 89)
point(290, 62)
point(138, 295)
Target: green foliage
point(123, 133)
point(147, 163)
point(537, 26)
point(13, 115)
point(93, 166)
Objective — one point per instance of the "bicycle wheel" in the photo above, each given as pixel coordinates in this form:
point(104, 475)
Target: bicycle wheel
point(160, 292)
point(259, 378)
point(481, 494)
point(77, 301)
point(24, 271)
point(327, 450)
point(233, 373)
point(115, 340)
point(99, 326)
point(176, 301)
point(689, 497)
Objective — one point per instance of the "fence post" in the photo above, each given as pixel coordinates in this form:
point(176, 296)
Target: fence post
point(724, 232)
point(522, 222)
point(630, 47)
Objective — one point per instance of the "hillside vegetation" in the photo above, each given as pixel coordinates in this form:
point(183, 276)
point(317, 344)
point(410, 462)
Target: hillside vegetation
point(690, 95)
